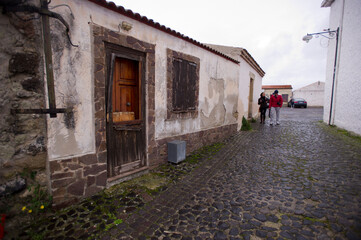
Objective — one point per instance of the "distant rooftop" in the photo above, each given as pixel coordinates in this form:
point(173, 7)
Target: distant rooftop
point(276, 86)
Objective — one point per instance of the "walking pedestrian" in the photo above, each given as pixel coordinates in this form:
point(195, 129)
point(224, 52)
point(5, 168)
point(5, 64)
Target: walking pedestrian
point(263, 105)
point(292, 103)
point(275, 105)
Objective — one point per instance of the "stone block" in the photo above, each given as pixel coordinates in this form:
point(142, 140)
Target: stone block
point(79, 174)
point(77, 188)
point(101, 179)
point(32, 84)
point(60, 192)
point(61, 183)
point(102, 146)
point(102, 157)
point(94, 169)
point(57, 176)
point(88, 159)
point(36, 146)
point(74, 166)
point(90, 180)
point(24, 63)
point(13, 186)
point(90, 191)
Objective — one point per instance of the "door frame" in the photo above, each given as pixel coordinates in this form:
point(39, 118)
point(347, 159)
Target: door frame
point(113, 51)
point(250, 97)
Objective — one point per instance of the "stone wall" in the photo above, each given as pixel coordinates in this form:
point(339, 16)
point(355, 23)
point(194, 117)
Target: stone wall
point(22, 136)
point(194, 141)
point(78, 177)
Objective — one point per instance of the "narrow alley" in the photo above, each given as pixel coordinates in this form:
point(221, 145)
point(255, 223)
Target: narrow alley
point(299, 180)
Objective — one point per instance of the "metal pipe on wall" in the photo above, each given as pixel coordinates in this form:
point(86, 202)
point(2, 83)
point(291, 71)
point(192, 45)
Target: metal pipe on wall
point(334, 76)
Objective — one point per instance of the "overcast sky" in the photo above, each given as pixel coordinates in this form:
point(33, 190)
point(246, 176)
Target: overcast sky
point(270, 30)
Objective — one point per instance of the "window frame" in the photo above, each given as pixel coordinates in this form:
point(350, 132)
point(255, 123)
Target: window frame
point(190, 112)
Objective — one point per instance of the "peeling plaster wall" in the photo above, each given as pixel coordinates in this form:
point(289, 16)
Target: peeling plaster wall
point(218, 80)
point(71, 134)
point(74, 80)
point(222, 96)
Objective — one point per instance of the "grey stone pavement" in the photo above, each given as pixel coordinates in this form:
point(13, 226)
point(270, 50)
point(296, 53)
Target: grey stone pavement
point(298, 180)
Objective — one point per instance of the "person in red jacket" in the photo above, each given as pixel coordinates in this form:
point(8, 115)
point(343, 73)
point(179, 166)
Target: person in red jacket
point(275, 104)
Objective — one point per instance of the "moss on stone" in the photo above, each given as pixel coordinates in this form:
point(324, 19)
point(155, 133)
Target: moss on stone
point(246, 126)
point(342, 133)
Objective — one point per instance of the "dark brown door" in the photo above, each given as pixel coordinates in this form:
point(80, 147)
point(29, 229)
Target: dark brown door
point(125, 125)
point(250, 98)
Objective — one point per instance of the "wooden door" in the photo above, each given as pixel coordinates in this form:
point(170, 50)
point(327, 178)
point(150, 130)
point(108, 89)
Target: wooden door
point(125, 125)
point(250, 98)
point(125, 98)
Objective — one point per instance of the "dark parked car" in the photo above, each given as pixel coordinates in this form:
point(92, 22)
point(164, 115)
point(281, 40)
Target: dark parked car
point(298, 102)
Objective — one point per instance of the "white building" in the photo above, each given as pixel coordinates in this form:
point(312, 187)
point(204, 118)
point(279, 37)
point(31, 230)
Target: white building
point(250, 81)
point(124, 86)
point(313, 93)
point(345, 111)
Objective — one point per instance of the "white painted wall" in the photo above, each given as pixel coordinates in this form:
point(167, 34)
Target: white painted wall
point(314, 94)
point(346, 111)
point(246, 72)
point(73, 69)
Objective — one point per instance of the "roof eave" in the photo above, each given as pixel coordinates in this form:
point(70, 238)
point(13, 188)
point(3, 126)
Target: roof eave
point(243, 53)
point(277, 87)
point(250, 60)
point(136, 16)
point(327, 3)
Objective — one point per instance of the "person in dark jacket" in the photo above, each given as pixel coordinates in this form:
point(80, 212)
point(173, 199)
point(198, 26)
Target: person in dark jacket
point(263, 105)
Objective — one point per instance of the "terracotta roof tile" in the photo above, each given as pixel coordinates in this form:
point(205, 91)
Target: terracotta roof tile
point(150, 22)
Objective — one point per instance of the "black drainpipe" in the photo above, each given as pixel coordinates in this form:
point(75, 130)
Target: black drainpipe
point(334, 76)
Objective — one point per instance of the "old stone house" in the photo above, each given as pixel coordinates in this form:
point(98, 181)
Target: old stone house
point(313, 93)
point(250, 79)
point(92, 93)
point(343, 79)
point(284, 90)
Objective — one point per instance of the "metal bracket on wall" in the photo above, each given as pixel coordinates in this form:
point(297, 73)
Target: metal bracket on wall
point(43, 10)
point(41, 111)
point(45, 14)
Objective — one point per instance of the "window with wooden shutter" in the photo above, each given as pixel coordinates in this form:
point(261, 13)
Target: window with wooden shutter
point(285, 97)
point(184, 82)
point(182, 85)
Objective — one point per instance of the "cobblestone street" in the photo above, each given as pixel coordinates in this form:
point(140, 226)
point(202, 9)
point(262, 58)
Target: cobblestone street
point(298, 180)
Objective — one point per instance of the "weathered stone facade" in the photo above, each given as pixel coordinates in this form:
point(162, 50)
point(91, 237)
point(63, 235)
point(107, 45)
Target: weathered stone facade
point(22, 136)
point(74, 146)
point(74, 178)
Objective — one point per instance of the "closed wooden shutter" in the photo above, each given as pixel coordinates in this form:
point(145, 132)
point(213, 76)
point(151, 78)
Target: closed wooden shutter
point(184, 84)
